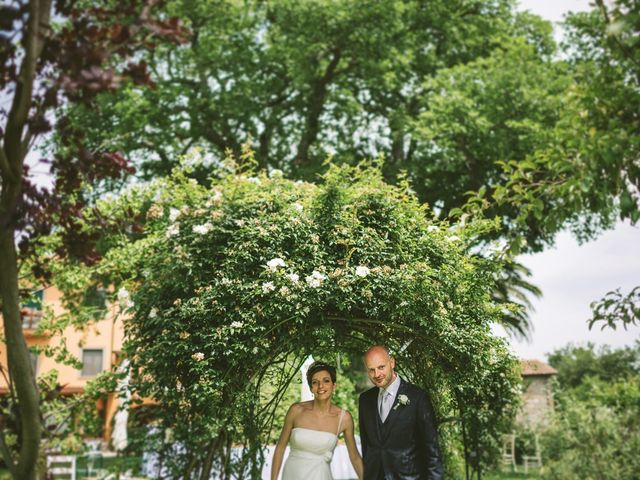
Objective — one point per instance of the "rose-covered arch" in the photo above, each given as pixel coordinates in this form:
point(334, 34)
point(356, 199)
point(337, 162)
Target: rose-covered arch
point(235, 283)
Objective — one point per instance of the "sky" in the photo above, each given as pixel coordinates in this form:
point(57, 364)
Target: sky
point(554, 10)
point(572, 276)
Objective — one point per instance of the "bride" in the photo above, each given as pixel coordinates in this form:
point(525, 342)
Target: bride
point(312, 429)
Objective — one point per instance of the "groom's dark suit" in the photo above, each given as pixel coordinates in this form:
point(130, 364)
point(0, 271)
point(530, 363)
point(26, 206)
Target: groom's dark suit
point(405, 446)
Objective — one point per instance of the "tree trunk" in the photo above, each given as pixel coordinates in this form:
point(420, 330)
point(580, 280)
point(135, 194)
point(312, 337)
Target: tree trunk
point(21, 373)
point(315, 107)
point(214, 447)
point(14, 150)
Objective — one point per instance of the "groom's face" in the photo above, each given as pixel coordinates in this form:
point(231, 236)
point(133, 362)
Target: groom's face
point(380, 368)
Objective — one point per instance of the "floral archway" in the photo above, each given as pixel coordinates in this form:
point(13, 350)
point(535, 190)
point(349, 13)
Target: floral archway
point(235, 282)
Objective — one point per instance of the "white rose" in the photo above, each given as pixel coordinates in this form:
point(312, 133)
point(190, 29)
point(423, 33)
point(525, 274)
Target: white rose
point(268, 287)
point(432, 228)
point(217, 197)
point(284, 291)
point(274, 264)
point(124, 299)
point(362, 271)
point(294, 277)
point(173, 230)
point(199, 356)
point(202, 229)
point(315, 279)
point(174, 213)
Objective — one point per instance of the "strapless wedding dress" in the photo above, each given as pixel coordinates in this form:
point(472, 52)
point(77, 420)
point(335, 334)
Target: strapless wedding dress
point(310, 453)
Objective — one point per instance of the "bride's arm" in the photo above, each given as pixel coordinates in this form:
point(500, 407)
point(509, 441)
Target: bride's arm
point(278, 453)
point(354, 454)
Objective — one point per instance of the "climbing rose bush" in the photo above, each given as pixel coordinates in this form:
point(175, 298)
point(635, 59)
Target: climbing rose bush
point(231, 283)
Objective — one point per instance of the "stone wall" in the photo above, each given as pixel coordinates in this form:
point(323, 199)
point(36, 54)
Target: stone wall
point(537, 401)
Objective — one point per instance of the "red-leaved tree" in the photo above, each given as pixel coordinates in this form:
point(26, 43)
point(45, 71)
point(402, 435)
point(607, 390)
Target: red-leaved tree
point(53, 52)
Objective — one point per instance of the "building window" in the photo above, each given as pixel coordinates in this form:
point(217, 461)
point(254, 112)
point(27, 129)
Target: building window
point(91, 362)
point(31, 311)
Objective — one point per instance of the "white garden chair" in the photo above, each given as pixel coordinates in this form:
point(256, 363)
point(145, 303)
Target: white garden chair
point(534, 460)
point(61, 466)
point(509, 450)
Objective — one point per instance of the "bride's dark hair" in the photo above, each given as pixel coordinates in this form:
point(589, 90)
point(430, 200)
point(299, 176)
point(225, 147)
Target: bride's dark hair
point(316, 367)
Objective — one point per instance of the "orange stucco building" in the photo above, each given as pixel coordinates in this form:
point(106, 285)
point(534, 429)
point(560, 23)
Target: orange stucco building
point(98, 346)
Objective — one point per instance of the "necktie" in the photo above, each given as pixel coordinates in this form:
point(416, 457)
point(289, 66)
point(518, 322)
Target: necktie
point(385, 403)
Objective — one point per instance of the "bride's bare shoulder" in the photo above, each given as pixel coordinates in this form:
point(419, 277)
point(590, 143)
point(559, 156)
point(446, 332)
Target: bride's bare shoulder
point(302, 406)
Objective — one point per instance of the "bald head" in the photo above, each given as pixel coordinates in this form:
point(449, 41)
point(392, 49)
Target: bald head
point(377, 350)
point(380, 366)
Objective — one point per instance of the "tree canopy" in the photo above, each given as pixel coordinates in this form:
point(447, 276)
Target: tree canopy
point(463, 97)
point(595, 429)
point(441, 90)
point(466, 100)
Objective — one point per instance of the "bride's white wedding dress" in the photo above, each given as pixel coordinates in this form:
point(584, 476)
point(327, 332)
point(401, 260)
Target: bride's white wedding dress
point(310, 454)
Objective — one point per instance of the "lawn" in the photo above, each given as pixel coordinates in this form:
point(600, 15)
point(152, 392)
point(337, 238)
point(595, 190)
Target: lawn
point(102, 465)
point(503, 475)
point(4, 475)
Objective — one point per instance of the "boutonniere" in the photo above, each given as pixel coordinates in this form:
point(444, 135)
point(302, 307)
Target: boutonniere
point(402, 400)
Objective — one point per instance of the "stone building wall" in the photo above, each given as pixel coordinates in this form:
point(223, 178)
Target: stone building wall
point(537, 401)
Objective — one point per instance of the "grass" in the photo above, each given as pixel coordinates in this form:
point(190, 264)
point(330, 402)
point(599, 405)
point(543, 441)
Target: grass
point(111, 464)
point(506, 475)
point(496, 475)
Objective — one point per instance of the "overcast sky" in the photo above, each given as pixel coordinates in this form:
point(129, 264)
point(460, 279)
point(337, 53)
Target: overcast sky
point(554, 10)
point(571, 276)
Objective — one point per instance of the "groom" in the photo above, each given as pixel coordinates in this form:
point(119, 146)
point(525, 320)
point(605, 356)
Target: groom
point(397, 425)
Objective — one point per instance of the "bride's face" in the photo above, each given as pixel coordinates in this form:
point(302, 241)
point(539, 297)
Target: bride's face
point(321, 385)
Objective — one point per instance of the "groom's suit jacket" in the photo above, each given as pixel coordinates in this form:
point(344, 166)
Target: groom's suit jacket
point(405, 446)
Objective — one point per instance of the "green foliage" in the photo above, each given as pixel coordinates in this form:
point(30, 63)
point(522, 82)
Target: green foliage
point(500, 108)
point(499, 475)
point(587, 175)
point(441, 91)
point(596, 438)
point(575, 364)
point(467, 101)
point(616, 308)
point(66, 419)
point(595, 432)
point(234, 284)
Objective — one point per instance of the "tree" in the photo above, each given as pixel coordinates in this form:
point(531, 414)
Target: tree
point(587, 172)
point(615, 308)
point(586, 176)
point(304, 80)
point(52, 52)
point(596, 437)
point(577, 363)
point(594, 431)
